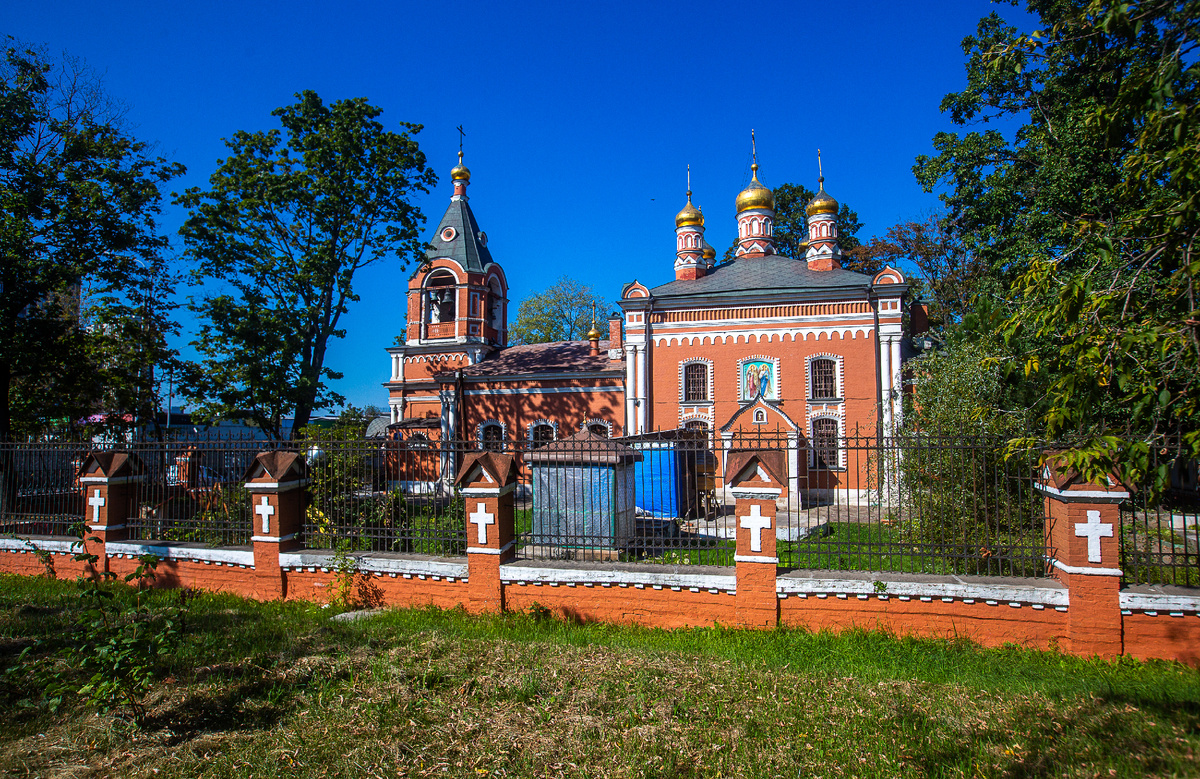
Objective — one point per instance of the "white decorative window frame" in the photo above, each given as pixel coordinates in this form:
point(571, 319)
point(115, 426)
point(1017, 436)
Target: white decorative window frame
point(696, 412)
point(839, 417)
point(839, 378)
point(759, 417)
point(536, 423)
point(741, 393)
point(487, 422)
point(585, 424)
point(683, 369)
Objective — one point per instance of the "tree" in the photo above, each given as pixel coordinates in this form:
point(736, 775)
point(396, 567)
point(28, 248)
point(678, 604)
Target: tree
point(561, 313)
point(287, 220)
point(1089, 215)
point(950, 273)
point(80, 198)
point(791, 223)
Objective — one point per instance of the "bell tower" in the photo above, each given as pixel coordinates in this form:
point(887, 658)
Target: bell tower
point(755, 215)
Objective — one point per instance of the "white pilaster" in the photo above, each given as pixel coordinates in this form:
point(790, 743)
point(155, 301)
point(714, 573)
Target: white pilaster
point(885, 377)
point(630, 391)
point(643, 395)
point(897, 384)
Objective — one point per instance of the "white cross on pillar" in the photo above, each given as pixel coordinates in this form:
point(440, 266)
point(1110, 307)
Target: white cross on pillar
point(755, 522)
point(96, 501)
point(482, 519)
point(1094, 530)
point(266, 511)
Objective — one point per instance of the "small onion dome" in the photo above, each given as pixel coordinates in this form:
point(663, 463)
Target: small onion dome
point(822, 203)
point(459, 172)
point(708, 253)
point(690, 215)
point(593, 334)
point(755, 195)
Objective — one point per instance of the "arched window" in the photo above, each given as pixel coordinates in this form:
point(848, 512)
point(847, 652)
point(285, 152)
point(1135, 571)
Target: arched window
point(698, 425)
point(541, 433)
point(441, 293)
point(695, 382)
point(760, 416)
point(491, 434)
point(824, 379)
point(825, 443)
point(597, 428)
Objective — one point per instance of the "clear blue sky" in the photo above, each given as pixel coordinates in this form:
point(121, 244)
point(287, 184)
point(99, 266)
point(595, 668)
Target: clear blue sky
point(580, 118)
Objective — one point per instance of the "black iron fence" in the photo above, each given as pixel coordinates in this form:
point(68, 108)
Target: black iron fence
point(192, 491)
point(918, 503)
point(39, 493)
point(1160, 531)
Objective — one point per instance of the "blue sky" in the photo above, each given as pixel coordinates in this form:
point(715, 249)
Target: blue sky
point(580, 118)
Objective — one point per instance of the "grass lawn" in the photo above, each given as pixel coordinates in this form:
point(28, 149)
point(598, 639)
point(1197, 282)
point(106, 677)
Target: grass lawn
point(279, 690)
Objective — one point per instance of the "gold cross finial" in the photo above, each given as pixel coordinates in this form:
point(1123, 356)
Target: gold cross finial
point(689, 189)
point(461, 134)
point(753, 148)
point(820, 171)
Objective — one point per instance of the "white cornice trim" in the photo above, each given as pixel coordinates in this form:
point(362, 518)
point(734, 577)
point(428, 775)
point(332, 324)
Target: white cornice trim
point(1087, 496)
point(1074, 569)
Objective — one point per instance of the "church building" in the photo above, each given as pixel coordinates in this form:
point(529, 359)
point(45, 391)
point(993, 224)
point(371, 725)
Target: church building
point(800, 348)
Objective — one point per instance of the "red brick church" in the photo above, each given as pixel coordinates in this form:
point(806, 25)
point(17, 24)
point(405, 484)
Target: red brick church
point(800, 347)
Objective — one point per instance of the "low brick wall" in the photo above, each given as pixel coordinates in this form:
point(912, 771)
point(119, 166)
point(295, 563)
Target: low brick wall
point(991, 612)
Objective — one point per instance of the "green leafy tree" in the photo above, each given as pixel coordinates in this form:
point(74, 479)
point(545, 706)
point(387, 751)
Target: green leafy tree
point(287, 220)
point(1088, 214)
point(948, 271)
point(80, 198)
point(791, 223)
point(561, 313)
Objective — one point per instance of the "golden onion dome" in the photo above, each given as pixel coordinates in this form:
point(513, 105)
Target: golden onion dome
point(690, 215)
point(460, 172)
point(709, 253)
point(755, 195)
point(593, 334)
point(822, 203)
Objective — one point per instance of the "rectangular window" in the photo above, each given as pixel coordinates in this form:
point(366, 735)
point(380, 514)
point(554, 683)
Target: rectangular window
point(825, 442)
point(695, 383)
point(824, 379)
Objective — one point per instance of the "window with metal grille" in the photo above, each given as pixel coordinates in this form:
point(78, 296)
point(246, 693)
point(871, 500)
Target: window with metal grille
point(824, 379)
point(541, 433)
point(493, 437)
point(598, 429)
point(696, 424)
point(695, 382)
point(825, 442)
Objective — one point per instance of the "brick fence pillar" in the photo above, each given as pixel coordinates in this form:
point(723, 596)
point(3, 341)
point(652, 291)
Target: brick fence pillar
point(756, 479)
point(1083, 549)
point(486, 482)
point(109, 482)
point(276, 483)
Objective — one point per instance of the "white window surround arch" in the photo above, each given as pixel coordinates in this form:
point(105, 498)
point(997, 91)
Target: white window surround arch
point(587, 423)
point(841, 435)
point(491, 423)
point(839, 377)
point(708, 379)
point(538, 423)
